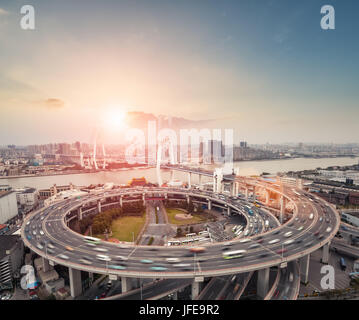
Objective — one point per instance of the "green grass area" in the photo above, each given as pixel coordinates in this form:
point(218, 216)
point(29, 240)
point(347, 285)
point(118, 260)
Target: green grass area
point(196, 218)
point(123, 227)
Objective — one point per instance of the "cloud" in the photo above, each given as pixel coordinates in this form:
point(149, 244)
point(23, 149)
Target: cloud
point(3, 12)
point(53, 103)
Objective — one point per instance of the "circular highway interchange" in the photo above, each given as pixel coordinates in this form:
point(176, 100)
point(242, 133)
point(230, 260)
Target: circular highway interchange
point(312, 225)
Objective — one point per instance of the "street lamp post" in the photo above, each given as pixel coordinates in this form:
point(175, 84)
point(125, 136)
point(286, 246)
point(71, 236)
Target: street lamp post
point(141, 288)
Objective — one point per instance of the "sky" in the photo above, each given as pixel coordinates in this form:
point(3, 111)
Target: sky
point(262, 67)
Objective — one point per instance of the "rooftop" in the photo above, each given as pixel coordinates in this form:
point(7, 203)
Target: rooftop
point(7, 242)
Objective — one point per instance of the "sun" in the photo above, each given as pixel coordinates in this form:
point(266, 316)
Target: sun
point(114, 119)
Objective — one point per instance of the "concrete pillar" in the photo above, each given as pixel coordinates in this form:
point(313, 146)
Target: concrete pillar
point(189, 180)
point(237, 188)
point(246, 193)
point(325, 257)
point(75, 282)
point(200, 181)
point(304, 268)
point(121, 201)
point(166, 195)
point(172, 175)
point(267, 197)
point(79, 214)
point(90, 278)
point(143, 198)
point(175, 295)
point(187, 197)
point(209, 205)
point(195, 289)
point(263, 283)
point(254, 194)
point(228, 211)
point(214, 184)
point(233, 189)
point(126, 284)
point(299, 184)
point(45, 265)
point(282, 208)
point(99, 206)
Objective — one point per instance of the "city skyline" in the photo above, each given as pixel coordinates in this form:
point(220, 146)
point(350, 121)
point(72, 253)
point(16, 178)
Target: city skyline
point(264, 68)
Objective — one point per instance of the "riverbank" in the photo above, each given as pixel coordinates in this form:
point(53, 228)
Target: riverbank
point(75, 172)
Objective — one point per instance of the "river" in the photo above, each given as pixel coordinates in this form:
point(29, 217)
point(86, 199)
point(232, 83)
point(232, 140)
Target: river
point(120, 177)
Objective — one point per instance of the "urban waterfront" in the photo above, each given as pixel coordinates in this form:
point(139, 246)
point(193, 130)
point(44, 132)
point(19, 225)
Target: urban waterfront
point(122, 177)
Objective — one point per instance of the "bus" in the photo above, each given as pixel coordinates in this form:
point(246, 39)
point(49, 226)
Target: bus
point(234, 254)
point(343, 265)
point(92, 240)
point(174, 243)
point(203, 233)
point(191, 234)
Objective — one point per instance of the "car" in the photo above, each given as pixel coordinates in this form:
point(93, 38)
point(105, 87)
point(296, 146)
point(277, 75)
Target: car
point(288, 234)
point(6, 296)
point(244, 240)
point(32, 292)
point(90, 244)
point(288, 242)
point(316, 233)
point(117, 267)
point(158, 268)
point(263, 255)
point(63, 256)
point(28, 237)
point(172, 260)
point(50, 245)
point(273, 241)
point(85, 261)
point(280, 251)
point(41, 232)
point(40, 246)
point(146, 261)
point(308, 244)
point(34, 233)
point(103, 257)
point(121, 258)
point(101, 249)
point(50, 251)
point(69, 248)
point(300, 228)
point(197, 249)
point(328, 229)
point(299, 241)
point(254, 245)
point(276, 232)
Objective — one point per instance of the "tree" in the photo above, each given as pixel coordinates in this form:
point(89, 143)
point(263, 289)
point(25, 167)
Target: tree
point(179, 232)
